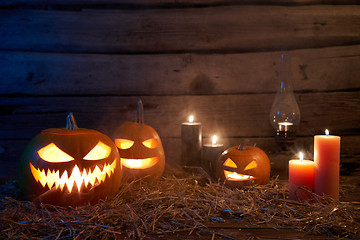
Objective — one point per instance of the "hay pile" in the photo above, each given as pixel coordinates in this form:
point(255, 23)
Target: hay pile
point(189, 204)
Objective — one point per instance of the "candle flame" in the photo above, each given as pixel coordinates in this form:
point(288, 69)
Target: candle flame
point(301, 156)
point(191, 119)
point(214, 139)
point(327, 132)
point(285, 123)
point(284, 126)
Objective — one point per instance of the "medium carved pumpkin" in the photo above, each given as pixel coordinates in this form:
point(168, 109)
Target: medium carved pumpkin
point(70, 166)
point(142, 154)
point(239, 166)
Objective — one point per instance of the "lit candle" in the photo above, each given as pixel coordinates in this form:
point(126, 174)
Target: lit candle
point(191, 143)
point(211, 153)
point(285, 126)
point(327, 165)
point(301, 174)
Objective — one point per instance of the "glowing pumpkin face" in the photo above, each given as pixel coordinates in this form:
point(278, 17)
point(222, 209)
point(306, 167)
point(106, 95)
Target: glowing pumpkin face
point(241, 167)
point(70, 167)
point(140, 148)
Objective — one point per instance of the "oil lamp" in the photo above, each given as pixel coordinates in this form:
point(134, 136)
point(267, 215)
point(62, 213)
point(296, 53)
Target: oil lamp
point(285, 113)
point(285, 119)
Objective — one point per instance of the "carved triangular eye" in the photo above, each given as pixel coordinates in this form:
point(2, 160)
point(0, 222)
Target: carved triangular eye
point(150, 143)
point(51, 153)
point(230, 163)
point(251, 165)
point(100, 151)
point(124, 143)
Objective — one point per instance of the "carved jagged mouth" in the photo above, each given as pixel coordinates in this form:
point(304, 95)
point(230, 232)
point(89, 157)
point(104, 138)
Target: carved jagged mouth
point(233, 176)
point(139, 163)
point(85, 177)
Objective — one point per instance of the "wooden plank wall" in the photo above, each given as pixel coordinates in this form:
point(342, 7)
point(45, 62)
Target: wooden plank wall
point(218, 59)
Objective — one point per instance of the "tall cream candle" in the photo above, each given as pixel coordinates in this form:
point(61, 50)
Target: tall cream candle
point(327, 165)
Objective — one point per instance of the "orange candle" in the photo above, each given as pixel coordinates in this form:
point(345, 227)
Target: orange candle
point(327, 165)
point(301, 174)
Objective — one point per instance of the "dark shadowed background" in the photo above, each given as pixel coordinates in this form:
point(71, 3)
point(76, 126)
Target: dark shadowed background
point(216, 59)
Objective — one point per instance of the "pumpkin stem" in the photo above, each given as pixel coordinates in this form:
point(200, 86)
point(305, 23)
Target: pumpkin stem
point(70, 122)
point(243, 144)
point(140, 112)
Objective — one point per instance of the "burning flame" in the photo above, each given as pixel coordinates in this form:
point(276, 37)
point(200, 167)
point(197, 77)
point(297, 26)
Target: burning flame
point(301, 156)
point(327, 132)
point(191, 119)
point(77, 177)
point(214, 139)
point(139, 163)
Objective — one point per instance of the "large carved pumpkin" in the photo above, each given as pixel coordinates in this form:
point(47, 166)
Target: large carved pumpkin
point(70, 166)
point(239, 166)
point(141, 152)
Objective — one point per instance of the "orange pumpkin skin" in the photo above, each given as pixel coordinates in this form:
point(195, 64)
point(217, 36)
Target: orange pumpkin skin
point(76, 144)
point(251, 164)
point(138, 133)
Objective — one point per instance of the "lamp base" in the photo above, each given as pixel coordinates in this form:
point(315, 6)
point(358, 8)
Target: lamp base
point(284, 140)
point(280, 164)
point(280, 159)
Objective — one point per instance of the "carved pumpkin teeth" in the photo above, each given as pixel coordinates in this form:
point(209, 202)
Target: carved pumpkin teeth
point(139, 163)
point(237, 176)
point(85, 177)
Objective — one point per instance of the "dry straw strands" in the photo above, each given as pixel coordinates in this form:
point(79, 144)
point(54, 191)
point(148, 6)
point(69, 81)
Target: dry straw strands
point(189, 204)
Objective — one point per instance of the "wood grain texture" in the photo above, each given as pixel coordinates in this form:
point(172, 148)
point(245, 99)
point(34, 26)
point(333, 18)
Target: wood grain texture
point(169, 2)
point(227, 115)
point(313, 70)
point(217, 59)
point(235, 28)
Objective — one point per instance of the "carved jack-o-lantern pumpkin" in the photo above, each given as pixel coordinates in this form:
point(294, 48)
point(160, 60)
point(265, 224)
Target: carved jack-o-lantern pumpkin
point(70, 166)
point(140, 148)
point(239, 166)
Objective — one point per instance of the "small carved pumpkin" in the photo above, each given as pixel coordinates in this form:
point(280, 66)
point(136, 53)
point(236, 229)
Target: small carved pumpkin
point(70, 166)
point(239, 166)
point(141, 152)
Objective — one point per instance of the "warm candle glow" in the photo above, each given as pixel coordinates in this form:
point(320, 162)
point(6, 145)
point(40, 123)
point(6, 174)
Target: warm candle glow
point(284, 126)
point(214, 139)
point(327, 164)
point(191, 119)
point(301, 156)
point(327, 132)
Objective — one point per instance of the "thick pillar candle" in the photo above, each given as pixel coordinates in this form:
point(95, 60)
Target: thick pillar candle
point(301, 174)
point(191, 143)
point(211, 153)
point(327, 165)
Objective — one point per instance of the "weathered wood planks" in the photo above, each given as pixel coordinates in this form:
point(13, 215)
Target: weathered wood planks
point(234, 29)
point(218, 59)
point(313, 70)
point(170, 3)
point(243, 115)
